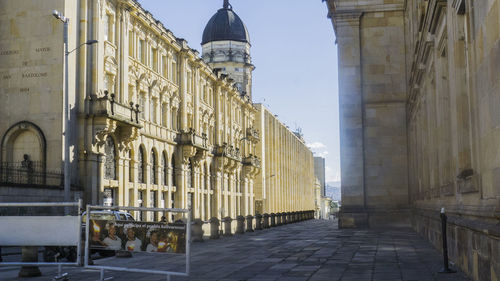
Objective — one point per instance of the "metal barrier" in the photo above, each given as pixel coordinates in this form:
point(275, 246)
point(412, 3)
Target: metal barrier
point(19, 231)
point(137, 270)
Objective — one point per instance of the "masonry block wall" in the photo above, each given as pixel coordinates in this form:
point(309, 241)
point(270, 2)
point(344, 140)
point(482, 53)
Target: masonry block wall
point(437, 62)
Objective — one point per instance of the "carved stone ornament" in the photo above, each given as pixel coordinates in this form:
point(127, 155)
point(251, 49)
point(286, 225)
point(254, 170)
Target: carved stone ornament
point(187, 152)
point(124, 134)
point(102, 131)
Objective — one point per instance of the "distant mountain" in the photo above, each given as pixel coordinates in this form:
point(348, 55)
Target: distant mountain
point(333, 190)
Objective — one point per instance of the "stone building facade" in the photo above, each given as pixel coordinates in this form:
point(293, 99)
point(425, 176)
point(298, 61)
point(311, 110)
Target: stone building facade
point(153, 123)
point(419, 115)
point(319, 172)
point(287, 166)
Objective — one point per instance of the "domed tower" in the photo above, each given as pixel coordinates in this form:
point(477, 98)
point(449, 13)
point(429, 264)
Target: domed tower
point(226, 47)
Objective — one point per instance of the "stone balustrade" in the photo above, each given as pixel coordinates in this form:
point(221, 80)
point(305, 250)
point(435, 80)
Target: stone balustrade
point(246, 224)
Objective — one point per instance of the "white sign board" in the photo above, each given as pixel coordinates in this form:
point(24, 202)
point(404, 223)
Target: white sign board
point(39, 230)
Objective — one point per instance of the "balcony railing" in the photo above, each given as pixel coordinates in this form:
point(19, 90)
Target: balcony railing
point(191, 138)
point(108, 106)
point(252, 160)
point(28, 173)
point(228, 151)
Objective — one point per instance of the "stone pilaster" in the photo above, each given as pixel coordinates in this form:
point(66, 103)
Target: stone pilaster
point(353, 212)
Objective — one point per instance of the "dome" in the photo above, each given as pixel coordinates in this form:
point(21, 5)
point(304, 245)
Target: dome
point(225, 25)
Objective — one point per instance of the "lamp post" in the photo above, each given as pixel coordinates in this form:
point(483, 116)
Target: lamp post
point(66, 117)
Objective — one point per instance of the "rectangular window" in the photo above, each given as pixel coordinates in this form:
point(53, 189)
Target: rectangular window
point(131, 43)
point(142, 51)
point(108, 25)
point(142, 107)
point(173, 71)
point(152, 111)
point(154, 59)
point(189, 82)
point(105, 23)
point(164, 66)
point(164, 114)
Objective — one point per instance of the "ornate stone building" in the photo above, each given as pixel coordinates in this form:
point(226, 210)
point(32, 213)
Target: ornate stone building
point(152, 123)
point(419, 118)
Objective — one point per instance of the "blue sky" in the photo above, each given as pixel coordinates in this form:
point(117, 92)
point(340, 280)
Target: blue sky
point(295, 56)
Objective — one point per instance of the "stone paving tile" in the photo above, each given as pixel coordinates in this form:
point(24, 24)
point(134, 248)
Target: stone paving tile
point(312, 250)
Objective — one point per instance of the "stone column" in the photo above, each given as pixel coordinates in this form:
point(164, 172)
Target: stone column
point(249, 223)
point(240, 226)
point(353, 212)
point(227, 226)
point(266, 221)
point(197, 230)
point(214, 228)
point(258, 222)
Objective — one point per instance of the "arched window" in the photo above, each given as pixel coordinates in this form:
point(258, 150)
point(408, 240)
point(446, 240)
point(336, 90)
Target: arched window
point(110, 161)
point(164, 170)
point(173, 172)
point(154, 168)
point(141, 165)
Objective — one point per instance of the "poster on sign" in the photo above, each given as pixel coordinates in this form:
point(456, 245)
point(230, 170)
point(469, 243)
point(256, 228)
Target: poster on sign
point(152, 237)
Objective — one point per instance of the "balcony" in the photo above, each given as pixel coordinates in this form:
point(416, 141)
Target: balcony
point(191, 138)
point(229, 151)
point(108, 107)
point(252, 160)
point(253, 134)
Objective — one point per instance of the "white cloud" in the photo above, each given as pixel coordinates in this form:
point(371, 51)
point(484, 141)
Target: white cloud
point(321, 154)
point(316, 145)
point(331, 175)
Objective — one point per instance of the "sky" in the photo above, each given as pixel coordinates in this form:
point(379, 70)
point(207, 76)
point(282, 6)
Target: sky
point(294, 51)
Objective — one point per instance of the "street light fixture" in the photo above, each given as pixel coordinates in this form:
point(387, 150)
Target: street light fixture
point(66, 117)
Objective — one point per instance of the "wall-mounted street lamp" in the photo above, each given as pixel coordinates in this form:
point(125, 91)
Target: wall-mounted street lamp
point(66, 117)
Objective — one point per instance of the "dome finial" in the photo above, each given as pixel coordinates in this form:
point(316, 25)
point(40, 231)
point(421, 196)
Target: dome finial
point(227, 5)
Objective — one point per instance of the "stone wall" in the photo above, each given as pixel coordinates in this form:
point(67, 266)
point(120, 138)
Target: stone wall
point(372, 113)
point(473, 245)
point(286, 181)
point(447, 56)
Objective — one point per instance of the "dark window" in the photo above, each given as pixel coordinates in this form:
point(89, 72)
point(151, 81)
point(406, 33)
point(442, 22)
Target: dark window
point(154, 168)
point(141, 166)
point(164, 170)
point(172, 174)
point(189, 175)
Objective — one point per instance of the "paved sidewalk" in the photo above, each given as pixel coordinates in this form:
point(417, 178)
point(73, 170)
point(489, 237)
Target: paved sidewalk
point(309, 250)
